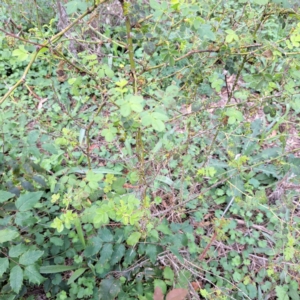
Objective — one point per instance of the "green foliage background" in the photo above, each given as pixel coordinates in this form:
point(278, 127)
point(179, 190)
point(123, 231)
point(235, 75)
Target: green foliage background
point(158, 148)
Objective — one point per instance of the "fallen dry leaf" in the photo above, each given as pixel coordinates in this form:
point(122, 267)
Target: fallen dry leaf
point(158, 294)
point(177, 294)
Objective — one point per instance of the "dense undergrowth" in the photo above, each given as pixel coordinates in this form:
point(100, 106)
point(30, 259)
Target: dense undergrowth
point(149, 147)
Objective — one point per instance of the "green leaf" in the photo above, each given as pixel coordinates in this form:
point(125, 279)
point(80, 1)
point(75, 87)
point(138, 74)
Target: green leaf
point(161, 284)
point(109, 133)
point(105, 254)
point(282, 292)
point(105, 235)
point(152, 251)
point(85, 170)
point(261, 2)
point(252, 291)
point(149, 48)
point(119, 251)
point(136, 103)
point(109, 288)
point(16, 278)
point(158, 125)
point(4, 263)
point(165, 179)
point(234, 115)
point(4, 196)
point(75, 5)
point(168, 274)
point(231, 36)
point(133, 238)
point(30, 257)
point(155, 119)
point(125, 110)
point(7, 235)
point(93, 247)
point(92, 176)
point(294, 294)
point(57, 224)
point(33, 275)
point(56, 241)
point(56, 269)
point(28, 200)
point(172, 91)
point(131, 103)
point(75, 275)
point(295, 104)
point(79, 230)
point(205, 31)
point(100, 218)
point(21, 53)
point(164, 228)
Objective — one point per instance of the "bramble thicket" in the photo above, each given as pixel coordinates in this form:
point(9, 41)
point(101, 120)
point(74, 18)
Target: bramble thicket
point(149, 149)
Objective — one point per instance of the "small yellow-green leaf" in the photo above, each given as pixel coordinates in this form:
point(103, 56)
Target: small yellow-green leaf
point(133, 238)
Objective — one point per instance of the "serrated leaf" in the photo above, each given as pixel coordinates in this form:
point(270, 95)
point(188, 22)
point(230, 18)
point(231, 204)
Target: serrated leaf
point(105, 254)
point(75, 275)
point(4, 196)
point(4, 263)
point(56, 269)
point(16, 278)
point(109, 288)
point(119, 251)
point(56, 241)
point(168, 274)
point(7, 235)
point(177, 294)
point(40, 180)
point(234, 115)
point(105, 235)
point(27, 201)
point(151, 252)
point(282, 292)
point(172, 91)
point(93, 247)
point(30, 257)
point(33, 275)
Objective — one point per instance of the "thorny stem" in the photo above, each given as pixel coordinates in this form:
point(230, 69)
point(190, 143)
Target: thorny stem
point(130, 44)
point(230, 95)
point(88, 142)
point(139, 140)
point(220, 182)
point(53, 39)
